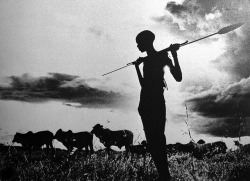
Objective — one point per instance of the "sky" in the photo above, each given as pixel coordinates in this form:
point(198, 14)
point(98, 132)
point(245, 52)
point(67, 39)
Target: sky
point(59, 50)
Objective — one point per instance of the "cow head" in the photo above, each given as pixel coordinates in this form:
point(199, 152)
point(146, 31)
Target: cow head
point(97, 129)
point(201, 141)
point(144, 143)
point(237, 143)
point(58, 134)
point(17, 138)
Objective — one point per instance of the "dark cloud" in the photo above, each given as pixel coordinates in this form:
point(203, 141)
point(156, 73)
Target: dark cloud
point(222, 102)
point(195, 16)
point(216, 105)
point(60, 87)
point(193, 19)
point(232, 127)
point(222, 111)
point(195, 7)
point(177, 9)
point(198, 17)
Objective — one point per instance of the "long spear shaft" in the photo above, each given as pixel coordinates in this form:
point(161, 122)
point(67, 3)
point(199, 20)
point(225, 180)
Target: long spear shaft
point(117, 69)
point(221, 31)
point(198, 39)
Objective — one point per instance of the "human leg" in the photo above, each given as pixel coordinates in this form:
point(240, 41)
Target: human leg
point(154, 131)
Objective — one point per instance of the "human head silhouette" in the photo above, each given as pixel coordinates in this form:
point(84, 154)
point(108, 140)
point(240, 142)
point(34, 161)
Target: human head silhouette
point(145, 40)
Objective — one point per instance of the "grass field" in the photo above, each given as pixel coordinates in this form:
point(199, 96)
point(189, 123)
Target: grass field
point(15, 165)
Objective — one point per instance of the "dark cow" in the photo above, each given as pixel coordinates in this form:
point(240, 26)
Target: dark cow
point(180, 148)
point(246, 148)
point(32, 140)
point(198, 150)
point(75, 140)
point(201, 141)
point(243, 148)
point(110, 138)
point(209, 149)
point(140, 149)
point(238, 144)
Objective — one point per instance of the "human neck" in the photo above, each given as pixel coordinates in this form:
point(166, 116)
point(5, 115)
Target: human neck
point(151, 51)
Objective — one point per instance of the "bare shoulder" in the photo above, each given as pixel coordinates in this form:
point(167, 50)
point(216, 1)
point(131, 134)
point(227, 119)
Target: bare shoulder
point(164, 58)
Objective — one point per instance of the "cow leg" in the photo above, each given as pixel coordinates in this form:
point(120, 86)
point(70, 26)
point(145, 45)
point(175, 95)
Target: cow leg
point(69, 150)
point(108, 150)
point(87, 150)
point(144, 160)
point(132, 155)
point(30, 150)
point(127, 147)
point(91, 147)
point(75, 153)
point(49, 147)
point(52, 148)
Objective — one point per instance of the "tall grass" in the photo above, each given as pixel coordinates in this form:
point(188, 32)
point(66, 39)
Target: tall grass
point(231, 166)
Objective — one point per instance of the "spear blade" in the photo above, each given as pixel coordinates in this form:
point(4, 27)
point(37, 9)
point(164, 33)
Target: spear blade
point(229, 28)
point(220, 32)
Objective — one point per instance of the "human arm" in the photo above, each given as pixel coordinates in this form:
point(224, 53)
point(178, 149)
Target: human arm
point(138, 71)
point(175, 69)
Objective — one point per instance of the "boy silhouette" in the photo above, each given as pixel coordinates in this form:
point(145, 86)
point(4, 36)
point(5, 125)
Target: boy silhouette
point(152, 103)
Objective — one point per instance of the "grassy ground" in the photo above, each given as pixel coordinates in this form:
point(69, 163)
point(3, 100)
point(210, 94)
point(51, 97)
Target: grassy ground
point(15, 165)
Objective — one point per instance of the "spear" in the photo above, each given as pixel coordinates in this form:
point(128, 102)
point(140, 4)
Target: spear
point(220, 32)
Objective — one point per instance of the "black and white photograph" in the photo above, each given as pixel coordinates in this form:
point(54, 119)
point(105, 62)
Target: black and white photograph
point(125, 90)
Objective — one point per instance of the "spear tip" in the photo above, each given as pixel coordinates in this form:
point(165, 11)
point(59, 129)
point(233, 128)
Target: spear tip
point(229, 28)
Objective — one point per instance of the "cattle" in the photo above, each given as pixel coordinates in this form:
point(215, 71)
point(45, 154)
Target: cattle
point(179, 148)
point(32, 140)
point(110, 138)
point(201, 141)
point(198, 150)
point(246, 148)
point(209, 149)
point(77, 140)
point(140, 149)
point(238, 144)
point(243, 148)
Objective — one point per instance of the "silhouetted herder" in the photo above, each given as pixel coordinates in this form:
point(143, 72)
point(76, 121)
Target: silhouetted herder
point(110, 138)
point(152, 103)
point(78, 140)
point(32, 140)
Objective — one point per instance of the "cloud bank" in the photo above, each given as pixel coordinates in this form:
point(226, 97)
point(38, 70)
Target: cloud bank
point(63, 87)
point(196, 18)
point(219, 106)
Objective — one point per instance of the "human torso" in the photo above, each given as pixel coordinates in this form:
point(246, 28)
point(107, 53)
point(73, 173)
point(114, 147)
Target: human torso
point(153, 70)
point(152, 97)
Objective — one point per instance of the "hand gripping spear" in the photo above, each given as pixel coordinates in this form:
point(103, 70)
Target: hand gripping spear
point(220, 32)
